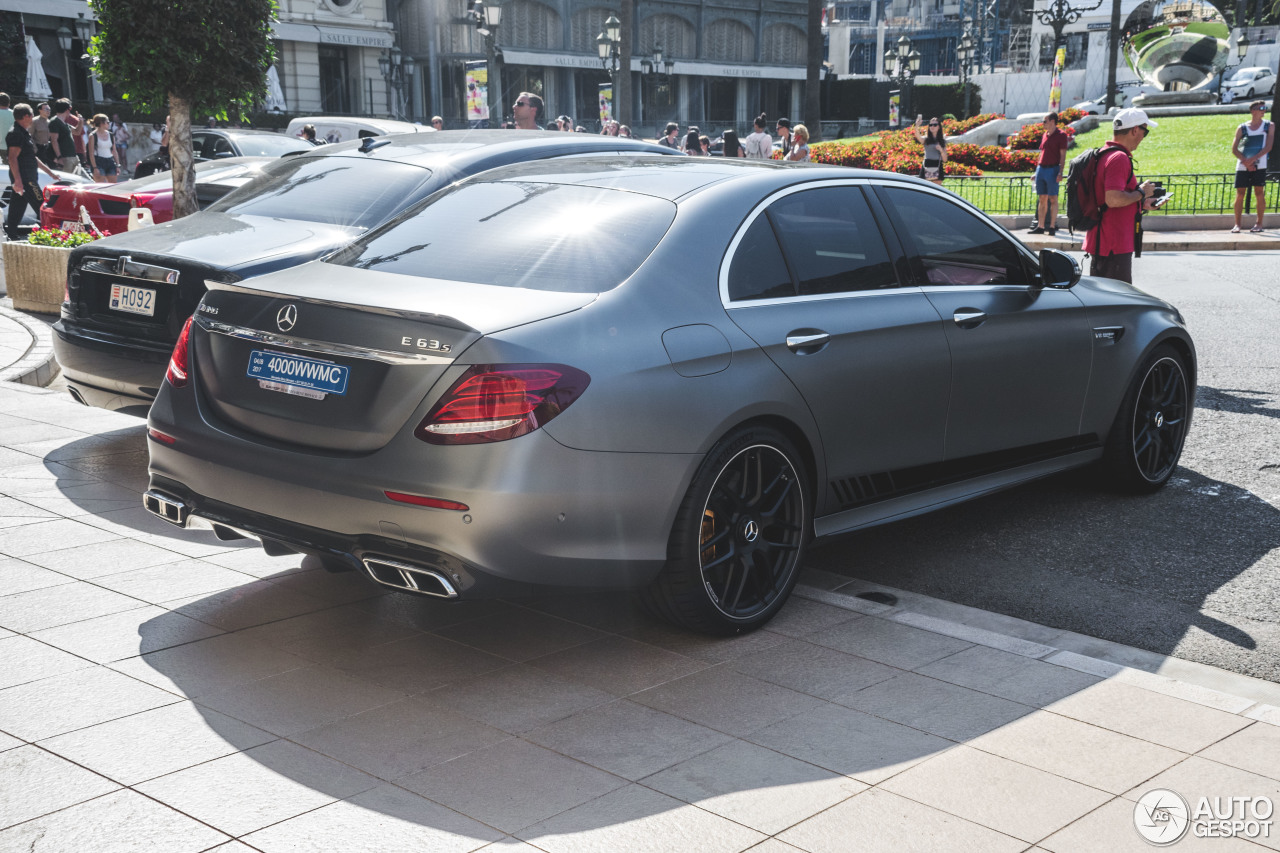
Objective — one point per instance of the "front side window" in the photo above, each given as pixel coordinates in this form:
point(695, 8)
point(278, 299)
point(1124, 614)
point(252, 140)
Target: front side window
point(334, 190)
point(558, 237)
point(951, 245)
point(832, 241)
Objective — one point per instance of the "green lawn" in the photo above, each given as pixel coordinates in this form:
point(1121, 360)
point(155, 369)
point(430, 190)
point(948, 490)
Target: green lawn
point(1186, 145)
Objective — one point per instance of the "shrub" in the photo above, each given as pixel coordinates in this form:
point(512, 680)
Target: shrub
point(58, 238)
point(899, 151)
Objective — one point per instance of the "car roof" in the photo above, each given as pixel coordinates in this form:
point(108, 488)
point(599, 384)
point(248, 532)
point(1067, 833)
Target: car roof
point(670, 178)
point(431, 150)
point(236, 131)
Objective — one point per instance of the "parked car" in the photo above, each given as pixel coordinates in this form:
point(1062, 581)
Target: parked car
point(32, 217)
point(666, 374)
point(345, 128)
point(130, 293)
point(1245, 83)
point(108, 205)
point(211, 143)
point(1124, 97)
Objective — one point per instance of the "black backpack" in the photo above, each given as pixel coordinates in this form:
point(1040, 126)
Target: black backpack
point(1084, 208)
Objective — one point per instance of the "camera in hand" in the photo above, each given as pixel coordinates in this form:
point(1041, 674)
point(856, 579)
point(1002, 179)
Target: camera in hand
point(1158, 191)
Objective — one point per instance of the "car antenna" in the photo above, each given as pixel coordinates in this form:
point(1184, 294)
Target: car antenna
point(372, 142)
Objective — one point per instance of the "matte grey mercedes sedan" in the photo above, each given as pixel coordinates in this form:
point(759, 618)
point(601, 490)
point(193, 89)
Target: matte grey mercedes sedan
point(667, 374)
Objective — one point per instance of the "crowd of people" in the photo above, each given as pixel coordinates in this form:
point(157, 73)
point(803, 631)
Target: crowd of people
point(66, 140)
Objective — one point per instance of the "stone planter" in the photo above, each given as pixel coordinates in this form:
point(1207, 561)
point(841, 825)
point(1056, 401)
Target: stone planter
point(35, 276)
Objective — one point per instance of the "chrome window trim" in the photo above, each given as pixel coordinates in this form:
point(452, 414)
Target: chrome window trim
point(124, 266)
point(258, 336)
point(757, 211)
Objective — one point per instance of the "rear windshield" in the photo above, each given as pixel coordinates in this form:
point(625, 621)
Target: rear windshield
point(270, 145)
point(514, 234)
point(334, 190)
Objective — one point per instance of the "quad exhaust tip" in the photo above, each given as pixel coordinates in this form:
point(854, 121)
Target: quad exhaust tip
point(410, 578)
point(171, 509)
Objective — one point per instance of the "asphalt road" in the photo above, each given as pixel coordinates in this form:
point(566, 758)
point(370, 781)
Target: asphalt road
point(1193, 571)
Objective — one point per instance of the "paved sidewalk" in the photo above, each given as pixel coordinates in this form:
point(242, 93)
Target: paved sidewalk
point(167, 691)
point(1166, 241)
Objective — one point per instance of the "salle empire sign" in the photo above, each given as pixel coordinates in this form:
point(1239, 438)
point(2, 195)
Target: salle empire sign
point(350, 39)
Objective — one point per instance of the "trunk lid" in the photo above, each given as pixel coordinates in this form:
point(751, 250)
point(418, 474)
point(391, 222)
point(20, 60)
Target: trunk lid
point(338, 360)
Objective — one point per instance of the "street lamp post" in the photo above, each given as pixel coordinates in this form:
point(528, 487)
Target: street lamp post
point(965, 50)
point(657, 69)
point(609, 43)
point(1242, 47)
point(905, 62)
point(1058, 14)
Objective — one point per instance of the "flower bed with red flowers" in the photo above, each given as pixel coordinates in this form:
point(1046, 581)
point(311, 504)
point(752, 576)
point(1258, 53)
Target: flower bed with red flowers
point(900, 151)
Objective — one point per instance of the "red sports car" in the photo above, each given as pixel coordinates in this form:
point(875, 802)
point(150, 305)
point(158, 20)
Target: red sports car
point(108, 205)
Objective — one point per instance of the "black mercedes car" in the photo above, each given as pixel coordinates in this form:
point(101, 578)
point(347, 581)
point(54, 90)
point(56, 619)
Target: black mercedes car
point(129, 294)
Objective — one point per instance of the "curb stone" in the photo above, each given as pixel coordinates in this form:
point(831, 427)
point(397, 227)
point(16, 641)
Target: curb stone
point(37, 366)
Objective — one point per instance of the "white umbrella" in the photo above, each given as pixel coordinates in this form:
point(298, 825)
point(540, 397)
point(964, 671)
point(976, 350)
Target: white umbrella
point(37, 83)
point(275, 95)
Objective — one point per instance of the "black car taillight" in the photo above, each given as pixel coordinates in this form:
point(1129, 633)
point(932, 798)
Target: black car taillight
point(495, 402)
point(177, 372)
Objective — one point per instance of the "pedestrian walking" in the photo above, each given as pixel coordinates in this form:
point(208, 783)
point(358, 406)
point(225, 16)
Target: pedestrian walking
point(1053, 150)
point(933, 167)
point(102, 146)
point(624, 131)
point(61, 137)
point(1253, 142)
point(40, 133)
point(1111, 245)
point(6, 114)
point(800, 145)
point(732, 147)
point(783, 129)
point(120, 132)
point(692, 143)
point(668, 139)
point(24, 170)
point(759, 144)
point(80, 133)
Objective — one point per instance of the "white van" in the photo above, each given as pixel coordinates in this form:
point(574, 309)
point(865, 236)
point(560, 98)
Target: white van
point(343, 128)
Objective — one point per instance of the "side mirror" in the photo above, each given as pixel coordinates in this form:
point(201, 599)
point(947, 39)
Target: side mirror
point(1058, 269)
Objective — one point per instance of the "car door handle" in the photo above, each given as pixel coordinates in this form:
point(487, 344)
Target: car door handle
point(968, 318)
point(808, 342)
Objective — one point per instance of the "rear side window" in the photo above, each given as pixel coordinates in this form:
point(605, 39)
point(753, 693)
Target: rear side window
point(832, 241)
point(333, 190)
point(758, 270)
point(953, 246)
point(558, 237)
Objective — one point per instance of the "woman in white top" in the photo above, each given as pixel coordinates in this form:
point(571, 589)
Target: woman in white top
point(101, 147)
point(799, 152)
point(759, 144)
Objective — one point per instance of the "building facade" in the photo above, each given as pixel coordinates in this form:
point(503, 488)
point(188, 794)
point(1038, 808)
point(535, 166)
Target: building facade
point(732, 58)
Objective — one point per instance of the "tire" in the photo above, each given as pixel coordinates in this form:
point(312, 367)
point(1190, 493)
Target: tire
point(739, 537)
point(1147, 437)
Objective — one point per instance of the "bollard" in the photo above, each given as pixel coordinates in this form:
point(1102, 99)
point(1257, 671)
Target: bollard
point(140, 217)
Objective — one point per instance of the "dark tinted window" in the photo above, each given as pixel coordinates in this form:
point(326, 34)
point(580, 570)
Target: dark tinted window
point(269, 144)
point(333, 190)
point(758, 270)
point(952, 246)
point(832, 241)
point(515, 234)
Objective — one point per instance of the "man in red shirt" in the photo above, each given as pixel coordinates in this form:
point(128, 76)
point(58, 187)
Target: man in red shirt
point(1110, 245)
point(1053, 149)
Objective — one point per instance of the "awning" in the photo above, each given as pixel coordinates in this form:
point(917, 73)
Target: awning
point(682, 66)
point(52, 8)
point(344, 36)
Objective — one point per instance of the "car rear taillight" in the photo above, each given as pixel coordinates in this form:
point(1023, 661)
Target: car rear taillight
point(141, 199)
point(495, 402)
point(50, 196)
point(177, 372)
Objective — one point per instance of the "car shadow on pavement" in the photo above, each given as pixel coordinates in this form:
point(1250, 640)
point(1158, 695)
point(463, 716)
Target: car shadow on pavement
point(1159, 572)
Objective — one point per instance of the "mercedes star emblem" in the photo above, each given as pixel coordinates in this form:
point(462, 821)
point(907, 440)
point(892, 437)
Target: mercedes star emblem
point(287, 317)
point(750, 531)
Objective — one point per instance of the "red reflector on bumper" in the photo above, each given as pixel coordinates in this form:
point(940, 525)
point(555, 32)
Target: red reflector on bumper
point(161, 437)
point(419, 500)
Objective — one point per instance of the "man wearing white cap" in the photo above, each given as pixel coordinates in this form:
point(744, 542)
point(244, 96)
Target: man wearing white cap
point(1111, 244)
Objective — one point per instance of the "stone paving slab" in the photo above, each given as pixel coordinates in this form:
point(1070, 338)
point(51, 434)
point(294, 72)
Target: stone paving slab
point(167, 691)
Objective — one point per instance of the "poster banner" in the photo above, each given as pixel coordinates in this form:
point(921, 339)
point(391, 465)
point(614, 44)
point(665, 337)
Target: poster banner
point(1055, 87)
point(477, 91)
point(606, 102)
point(895, 101)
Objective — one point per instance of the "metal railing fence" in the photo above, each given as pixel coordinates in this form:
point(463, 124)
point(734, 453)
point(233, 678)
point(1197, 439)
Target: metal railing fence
point(1192, 194)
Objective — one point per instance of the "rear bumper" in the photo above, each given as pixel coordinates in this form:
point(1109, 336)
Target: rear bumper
point(537, 512)
point(108, 374)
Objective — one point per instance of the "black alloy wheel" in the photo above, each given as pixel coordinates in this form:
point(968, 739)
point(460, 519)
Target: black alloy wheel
point(739, 537)
point(1147, 439)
